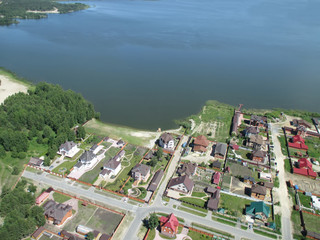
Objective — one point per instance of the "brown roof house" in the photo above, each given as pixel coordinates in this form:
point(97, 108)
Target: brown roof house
point(36, 162)
point(259, 121)
point(258, 192)
point(166, 141)
point(58, 213)
point(187, 169)
point(140, 172)
point(68, 149)
point(301, 130)
point(181, 184)
point(220, 150)
point(252, 130)
point(256, 142)
point(200, 144)
point(213, 202)
point(259, 156)
point(155, 180)
point(301, 122)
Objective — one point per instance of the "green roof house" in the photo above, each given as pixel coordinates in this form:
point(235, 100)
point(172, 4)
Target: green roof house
point(258, 210)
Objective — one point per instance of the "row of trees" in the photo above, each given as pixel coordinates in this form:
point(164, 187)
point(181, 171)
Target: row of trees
point(20, 214)
point(46, 114)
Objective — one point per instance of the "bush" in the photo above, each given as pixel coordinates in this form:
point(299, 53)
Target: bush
point(22, 155)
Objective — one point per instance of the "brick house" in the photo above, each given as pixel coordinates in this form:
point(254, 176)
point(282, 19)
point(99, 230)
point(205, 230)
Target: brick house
point(169, 225)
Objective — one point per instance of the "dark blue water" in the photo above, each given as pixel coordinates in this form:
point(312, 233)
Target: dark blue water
point(145, 63)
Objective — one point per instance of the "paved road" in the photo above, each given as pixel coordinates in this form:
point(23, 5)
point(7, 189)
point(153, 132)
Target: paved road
point(144, 210)
point(286, 226)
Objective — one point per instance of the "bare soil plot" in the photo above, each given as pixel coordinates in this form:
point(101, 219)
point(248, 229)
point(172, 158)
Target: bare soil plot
point(304, 183)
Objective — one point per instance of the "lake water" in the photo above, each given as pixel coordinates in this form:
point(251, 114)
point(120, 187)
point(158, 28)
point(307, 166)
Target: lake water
point(145, 63)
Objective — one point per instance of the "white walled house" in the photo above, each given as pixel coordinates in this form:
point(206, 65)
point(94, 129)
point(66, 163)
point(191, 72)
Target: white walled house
point(181, 184)
point(166, 141)
point(113, 166)
point(87, 160)
point(68, 149)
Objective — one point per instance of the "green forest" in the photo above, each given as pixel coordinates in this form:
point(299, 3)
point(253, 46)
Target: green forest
point(11, 10)
point(37, 123)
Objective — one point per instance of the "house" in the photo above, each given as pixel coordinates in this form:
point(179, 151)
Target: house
point(169, 225)
point(155, 181)
point(140, 172)
point(268, 185)
point(187, 169)
point(111, 168)
point(297, 142)
point(96, 148)
point(315, 202)
point(213, 202)
point(96, 234)
point(68, 149)
point(249, 179)
point(265, 176)
point(166, 141)
point(86, 160)
point(220, 150)
point(182, 184)
point(237, 118)
point(301, 130)
point(38, 233)
point(58, 213)
point(259, 121)
point(258, 192)
point(259, 156)
point(120, 143)
point(304, 167)
point(36, 162)
point(258, 210)
point(216, 164)
point(69, 236)
point(216, 178)
point(252, 130)
point(104, 237)
point(256, 142)
point(42, 197)
point(149, 155)
point(200, 144)
point(301, 122)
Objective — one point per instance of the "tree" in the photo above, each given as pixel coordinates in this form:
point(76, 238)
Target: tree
point(90, 236)
point(153, 161)
point(37, 213)
point(81, 132)
point(153, 221)
point(47, 161)
point(15, 170)
point(159, 153)
point(32, 188)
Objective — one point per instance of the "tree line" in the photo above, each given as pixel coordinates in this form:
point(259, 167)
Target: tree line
point(11, 10)
point(45, 114)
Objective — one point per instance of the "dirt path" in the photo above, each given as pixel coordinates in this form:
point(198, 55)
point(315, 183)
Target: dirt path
point(285, 202)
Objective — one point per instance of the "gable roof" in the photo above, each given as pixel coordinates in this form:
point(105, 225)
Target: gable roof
point(221, 148)
point(258, 189)
point(141, 168)
point(155, 180)
point(35, 161)
point(57, 211)
point(112, 164)
point(213, 202)
point(166, 137)
point(252, 130)
point(251, 179)
point(258, 139)
point(201, 141)
point(297, 138)
point(301, 122)
point(216, 177)
point(187, 168)
point(259, 153)
point(199, 148)
point(258, 207)
point(216, 164)
point(170, 222)
point(87, 156)
point(67, 145)
point(257, 118)
point(182, 179)
point(304, 163)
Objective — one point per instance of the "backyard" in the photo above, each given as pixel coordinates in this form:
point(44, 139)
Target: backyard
point(233, 205)
point(312, 222)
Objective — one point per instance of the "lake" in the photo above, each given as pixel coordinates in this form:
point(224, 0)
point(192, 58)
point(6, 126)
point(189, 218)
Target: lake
point(146, 63)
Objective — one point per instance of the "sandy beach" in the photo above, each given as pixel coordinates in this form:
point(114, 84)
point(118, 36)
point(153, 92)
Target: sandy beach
point(9, 87)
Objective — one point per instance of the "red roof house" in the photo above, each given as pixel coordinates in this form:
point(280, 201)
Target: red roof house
point(298, 142)
point(169, 225)
point(304, 163)
point(200, 144)
point(305, 168)
point(216, 178)
point(42, 197)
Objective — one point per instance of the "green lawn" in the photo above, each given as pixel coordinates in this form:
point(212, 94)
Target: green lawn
point(305, 200)
point(312, 222)
point(152, 234)
point(295, 218)
point(265, 234)
point(195, 201)
point(287, 166)
point(196, 225)
point(244, 153)
point(233, 205)
point(194, 207)
point(198, 194)
point(64, 167)
point(192, 211)
point(60, 198)
point(313, 144)
point(233, 224)
point(198, 236)
point(283, 144)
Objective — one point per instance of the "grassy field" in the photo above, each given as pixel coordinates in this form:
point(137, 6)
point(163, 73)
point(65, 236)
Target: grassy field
point(195, 201)
point(244, 153)
point(192, 211)
point(283, 144)
point(233, 224)
point(196, 225)
point(198, 194)
point(152, 234)
point(64, 167)
point(269, 235)
point(312, 222)
point(314, 147)
point(60, 198)
point(305, 200)
point(194, 207)
point(104, 221)
point(232, 204)
point(295, 218)
point(133, 136)
point(196, 236)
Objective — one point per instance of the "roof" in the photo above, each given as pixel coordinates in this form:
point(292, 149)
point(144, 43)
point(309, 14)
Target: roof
point(216, 177)
point(170, 222)
point(221, 148)
point(213, 202)
point(166, 137)
point(316, 121)
point(105, 172)
point(258, 207)
point(87, 156)
point(120, 142)
point(155, 180)
point(104, 237)
point(182, 179)
point(201, 141)
point(149, 155)
point(301, 128)
point(267, 184)
point(95, 233)
point(38, 232)
point(94, 147)
point(251, 179)
point(297, 138)
point(67, 145)
point(211, 189)
point(141, 168)
point(301, 122)
point(259, 153)
point(298, 145)
point(78, 165)
point(199, 148)
point(258, 139)
point(313, 234)
point(252, 130)
point(112, 164)
point(35, 161)
point(69, 236)
point(304, 163)
point(216, 164)
point(57, 211)
point(305, 172)
point(258, 189)
point(187, 168)
point(257, 118)
point(42, 196)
